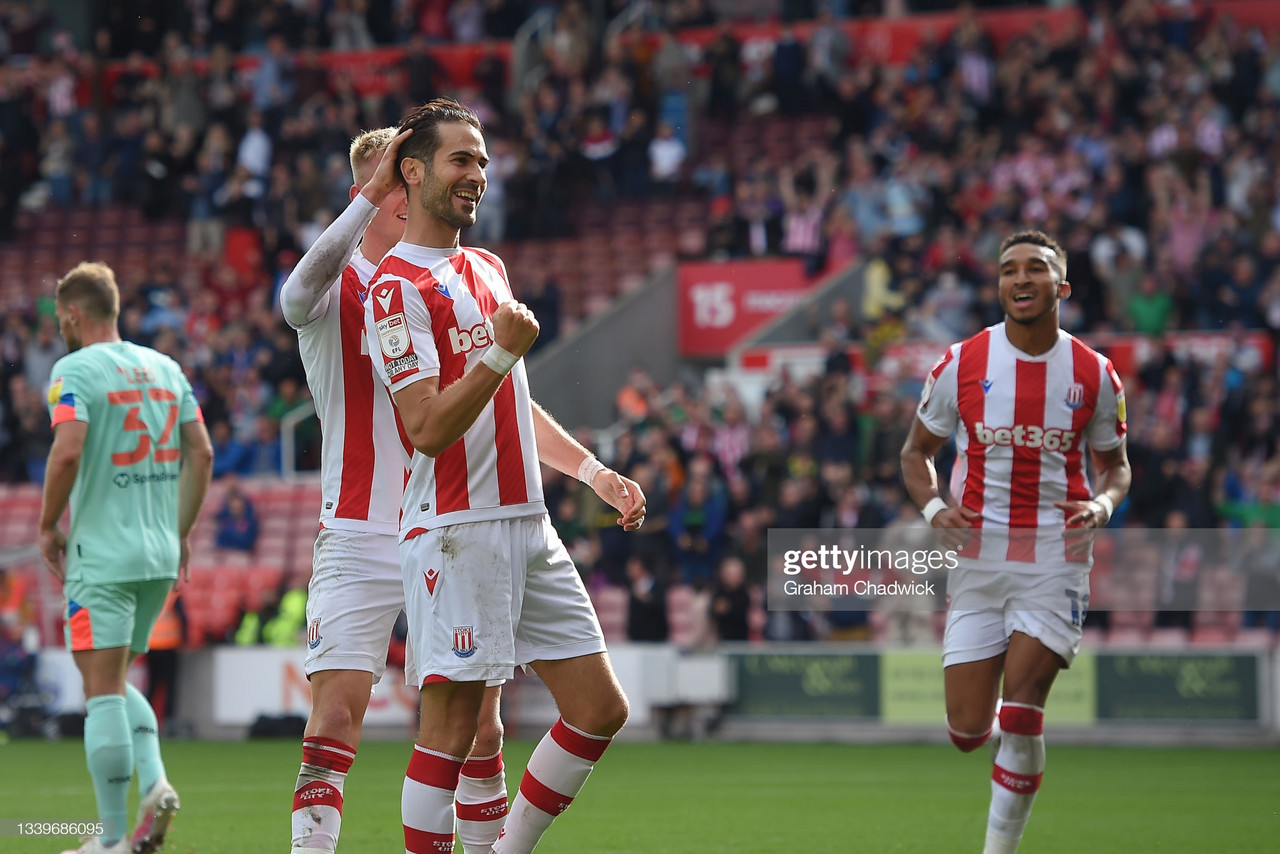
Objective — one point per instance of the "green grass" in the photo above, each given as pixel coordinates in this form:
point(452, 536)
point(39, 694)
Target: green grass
point(731, 798)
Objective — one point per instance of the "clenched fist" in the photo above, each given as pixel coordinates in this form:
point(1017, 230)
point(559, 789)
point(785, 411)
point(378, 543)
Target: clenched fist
point(514, 327)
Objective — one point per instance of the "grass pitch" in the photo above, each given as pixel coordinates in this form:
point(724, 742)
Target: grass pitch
point(715, 797)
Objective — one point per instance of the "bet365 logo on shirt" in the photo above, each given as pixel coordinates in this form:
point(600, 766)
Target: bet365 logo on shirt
point(466, 340)
point(1025, 436)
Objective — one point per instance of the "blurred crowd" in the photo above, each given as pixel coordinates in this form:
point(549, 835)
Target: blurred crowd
point(1146, 138)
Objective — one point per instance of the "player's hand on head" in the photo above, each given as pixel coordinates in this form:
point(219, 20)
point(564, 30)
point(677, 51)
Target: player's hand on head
point(514, 327)
point(386, 178)
point(624, 495)
point(53, 550)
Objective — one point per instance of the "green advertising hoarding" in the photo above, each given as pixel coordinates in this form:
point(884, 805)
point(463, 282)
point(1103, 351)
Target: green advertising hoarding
point(905, 687)
point(808, 685)
point(911, 690)
point(1153, 687)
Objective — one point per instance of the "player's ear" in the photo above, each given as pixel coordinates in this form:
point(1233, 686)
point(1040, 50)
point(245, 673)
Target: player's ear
point(412, 169)
point(1064, 289)
point(353, 192)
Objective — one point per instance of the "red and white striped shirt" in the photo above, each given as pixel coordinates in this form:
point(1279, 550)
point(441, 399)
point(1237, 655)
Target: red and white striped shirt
point(1022, 423)
point(427, 316)
point(364, 453)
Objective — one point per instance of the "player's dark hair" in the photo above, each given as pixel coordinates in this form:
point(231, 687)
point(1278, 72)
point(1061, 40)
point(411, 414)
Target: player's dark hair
point(426, 121)
point(92, 286)
point(1037, 238)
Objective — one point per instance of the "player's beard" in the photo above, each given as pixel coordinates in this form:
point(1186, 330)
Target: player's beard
point(437, 201)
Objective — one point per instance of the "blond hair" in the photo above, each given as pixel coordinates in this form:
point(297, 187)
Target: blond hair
point(368, 147)
point(91, 285)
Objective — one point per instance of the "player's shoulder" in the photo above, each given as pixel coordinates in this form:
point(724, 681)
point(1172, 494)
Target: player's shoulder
point(981, 338)
point(402, 266)
point(1079, 347)
point(953, 351)
point(68, 362)
point(1080, 350)
point(487, 257)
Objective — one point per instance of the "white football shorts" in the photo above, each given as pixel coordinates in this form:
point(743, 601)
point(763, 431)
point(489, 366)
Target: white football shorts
point(483, 597)
point(986, 606)
point(356, 594)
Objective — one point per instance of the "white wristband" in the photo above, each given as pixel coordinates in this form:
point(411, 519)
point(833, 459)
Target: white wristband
point(499, 359)
point(935, 506)
point(1107, 504)
point(589, 468)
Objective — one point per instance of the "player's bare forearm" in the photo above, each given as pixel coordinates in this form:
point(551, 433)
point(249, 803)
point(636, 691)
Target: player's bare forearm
point(60, 471)
point(1114, 475)
point(556, 447)
point(324, 262)
point(918, 472)
point(435, 418)
point(197, 471)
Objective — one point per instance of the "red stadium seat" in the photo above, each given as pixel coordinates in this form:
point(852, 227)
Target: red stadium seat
point(680, 616)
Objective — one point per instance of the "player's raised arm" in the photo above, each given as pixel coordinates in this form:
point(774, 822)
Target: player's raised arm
point(566, 454)
point(323, 263)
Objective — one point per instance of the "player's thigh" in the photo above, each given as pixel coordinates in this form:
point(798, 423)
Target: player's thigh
point(339, 700)
point(355, 595)
point(973, 646)
point(1051, 607)
point(586, 691)
point(1045, 620)
point(149, 601)
point(461, 588)
point(557, 620)
point(100, 616)
point(971, 691)
point(1030, 669)
point(975, 627)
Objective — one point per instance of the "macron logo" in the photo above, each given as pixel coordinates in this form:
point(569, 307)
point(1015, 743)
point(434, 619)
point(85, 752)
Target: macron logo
point(466, 340)
point(384, 299)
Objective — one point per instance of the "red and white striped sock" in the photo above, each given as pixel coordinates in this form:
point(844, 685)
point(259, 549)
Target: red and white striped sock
point(317, 797)
point(481, 803)
point(426, 802)
point(1016, 776)
point(556, 772)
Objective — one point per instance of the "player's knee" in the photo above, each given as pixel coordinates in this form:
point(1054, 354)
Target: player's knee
point(968, 733)
point(460, 733)
point(489, 734)
point(334, 719)
point(612, 716)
